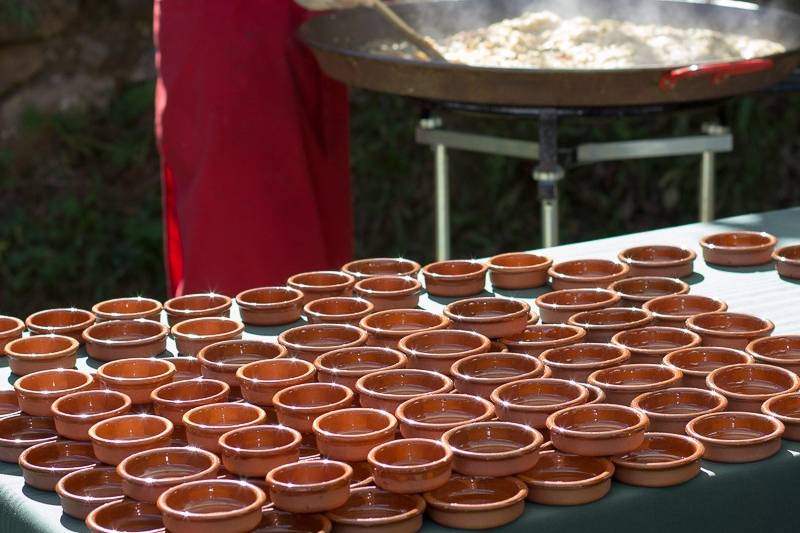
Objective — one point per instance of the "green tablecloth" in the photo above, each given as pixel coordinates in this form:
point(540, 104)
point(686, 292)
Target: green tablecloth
point(725, 498)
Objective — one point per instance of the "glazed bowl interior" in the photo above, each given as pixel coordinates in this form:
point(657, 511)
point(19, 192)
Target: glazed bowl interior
point(125, 330)
point(500, 365)
point(445, 409)
point(321, 279)
point(473, 492)
point(337, 306)
point(730, 322)
point(409, 452)
point(649, 287)
point(203, 327)
point(136, 368)
point(210, 497)
point(577, 297)
point(309, 472)
point(734, 426)
point(787, 405)
point(313, 395)
point(681, 305)
point(405, 383)
point(241, 352)
point(268, 295)
point(656, 338)
point(583, 354)
point(132, 427)
point(679, 401)
point(224, 414)
point(371, 504)
point(789, 253)
point(539, 392)
point(93, 483)
point(555, 467)
point(322, 335)
point(43, 344)
point(261, 438)
point(362, 359)
point(657, 254)
point(492, 438)
point(634, 375)
point(485, 308)
point(91, 402)
point(589, 268)
point(739, 239)
point(26, 428)
point(403, 320)
point(276, 369)
point(167, 463)
point(387, 284)
point(612, 316)
point(777, 347)
point(706, 359)
point(753, 379)
point(53, 380)
point(127, 306)
point(382, 267)
point(8, 324)
point(190, 390)
point(197, 302)
point(62, 454)
point(545, 333)
point(661, 448)
point(598, 418)
point(128, 515)
point(59, 318)
point(454, 268)
point(518, 260)
point(445, 341)
point(354, 422)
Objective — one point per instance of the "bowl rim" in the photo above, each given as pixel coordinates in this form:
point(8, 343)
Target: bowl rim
point(30, 321)
point(156, 398)
point(445, 460)
point(292, 345)
point(427, 273)
point(771, 241)
point(160, 334)
point(668, 359)
point(613, 298)
point(25, 443)
point(675, 377)
point(102, 372)
point(294, 444)
point(631, 324)
point(261, 415)
point(400, 413)
point(777, 425)
point(523, 309)
point(256, 382)
point(25, 464)
point(457, 373)
point(202, 355)
point(721, 306)
point(683, 287)
point(520, 495)
point(779, 255)
point(179, 334)
point(277, 400)
point(418, 509)
point(389, 430)
point(767, 326)
point(485, 343)
point(295, 298)
point(162, 434)
point(544, 263)
point(322, 486)
point(622, 270)
point(578, 333)
point(624, 355)
point(722, 404)
point(414, 287)
point(694, 339)
point(155, 304)
point(122, 467)
point(695, 456)
point(305, 288)
point(767, 408)
point(91, 518)
point(17, 329)
point(20, 387)
point(641, 424)
point(311, 312)
point(608, 471)
point(497, 400)
point(625, 256)
point(169, 305)
point(447, 384)
point(259, 499)
point(761, 358)
point(64, 492)
point(712, 377)
point(69, 350)
point(535, 439)
point(442, 323)
point(84, 418)
point(413, 267)
point(321, 363)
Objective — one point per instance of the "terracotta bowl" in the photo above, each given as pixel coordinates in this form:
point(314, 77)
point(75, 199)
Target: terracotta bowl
point(787, 261)
point(194, 334)
point(697, 363)
point(601, 325)
point(36, 392)
point(782, 351)
point(44, 464)
point(673, 311)
point(389, 292)
point(388, 389)
point(136, 377)
point(299, 405)
point(338, 310)
point(518, 270)
point(669, 410)
point(41, 352)
point(125, 515)
point(69, 322)
point(197, 306)
point(85, 490)
point(322, 284)
point(596, 394)
point(635, 292)
point(211, 505)
point(128, 309)
point(173, 400)
point(205, 424)
point(577, 361)
point(538, 338)
point(492, 317)
point(470, 502)
point(493, 449)
point(185, 368)
point(625, 382)
point(148, 474)
point(437, 350)
point(347, 365)
point(556, 307)
point(381, 267)
point(124, 339)
point(386, 328)
point(260, 381)
point(221, 360)
point(729, 330)
point(430, 416)
point(659, 260)
point(254, 451)
point(9, 405)
point(481, 374)
point(75, 413)
point(116, 438)
point(10, 329)
point(785, 408)
point(17, 433)
point(738, 248)
point(310, 341)
point(531, 401)
point(270, 306)
point(748, 386)
point(310, 486)
point(410, 466)
point(350, 434)
point(275, 521)
point(651, 344)
point(586, 274)
point(567, 479)
point(663, 460)
point(453, 279)
point(737, 437)
point(372, 509)
point(597, 430)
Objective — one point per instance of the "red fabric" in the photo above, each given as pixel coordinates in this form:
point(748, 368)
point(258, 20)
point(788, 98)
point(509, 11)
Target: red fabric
point(254, 147)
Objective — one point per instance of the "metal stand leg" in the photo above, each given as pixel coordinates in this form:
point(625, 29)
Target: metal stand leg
point(442, 192)
point(708, 174)
point(547, 174)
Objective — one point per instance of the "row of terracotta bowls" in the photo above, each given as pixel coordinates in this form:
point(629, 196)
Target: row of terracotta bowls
point(376, 410)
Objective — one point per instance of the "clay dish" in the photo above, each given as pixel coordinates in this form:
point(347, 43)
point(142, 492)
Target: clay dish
point(382, 266)
point(260, 380)
point(467, 502)
point(669, 410)
point(438, 350)
point(386, 328)
point(729, 330)
point(597, 430)
point(125, 515)
point(586, 274)
point(635, 292)
point(538, 338)
point(254, 451)
point(518, 270)
point(625, 382)
point(69, 322)
point(44, 464)
point(173, 400)
point(17, 433)
point(411, 466)
point(455, 278)
point(185, 368)
point(136, 377)
point(338, 310)
point(738, 248)
point(194, 334)
point(663, 261)
point(531, 401)
point(310, 486)
point(270, 306)
point(10, 329)
point(347, 365)
point(221, 360)
point(577, 361)
point(36, 392)
point(211, 505)
point(128, 309)
point(492, 317)
point(672, 311)
point(387, 389)
point(601, 325)
point(556, 307)
point(371, 509)
point(197, 306)
point(205, 424)
point(299, 405)
point(389, 292)
point(748, 386)
point(350, 434)
point(737, 437)
point(41, 352)
point(493, 449)
point(275, 521)
point(651, 344)
point(787, 262)
point(785, 408)
point(322, 284)
point(596, 394)
point(481, 374)
point(124, 339)
point(430, 416)
point(663, 460)
point(697, 363)
point(310, 341)
point(75, 413)
point(9, 406)
point(146, 475)
point(116, 438)
point(85, 490)
point(566, 479)
point(782, 351)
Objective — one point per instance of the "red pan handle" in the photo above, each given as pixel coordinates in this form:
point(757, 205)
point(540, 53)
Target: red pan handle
point(719, 72)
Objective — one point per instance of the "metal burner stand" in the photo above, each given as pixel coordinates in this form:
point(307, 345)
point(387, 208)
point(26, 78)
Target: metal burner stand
point(714, 139)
